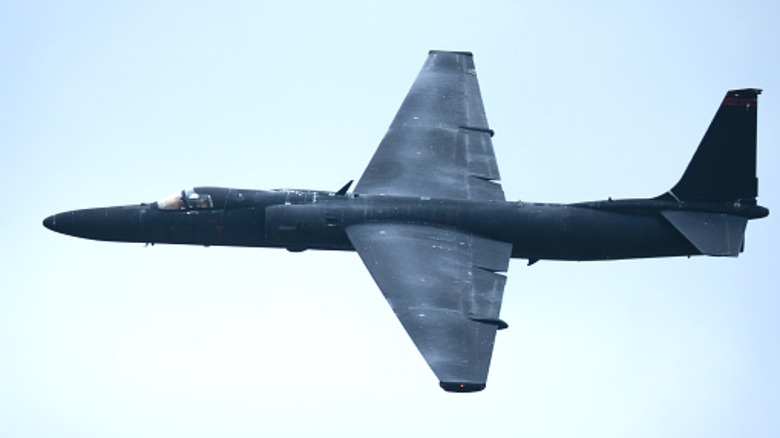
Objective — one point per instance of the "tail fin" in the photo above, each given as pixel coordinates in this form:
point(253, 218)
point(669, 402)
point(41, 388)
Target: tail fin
point(724, 165)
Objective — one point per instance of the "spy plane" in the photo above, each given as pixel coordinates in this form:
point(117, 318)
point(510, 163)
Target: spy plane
point(430, 221)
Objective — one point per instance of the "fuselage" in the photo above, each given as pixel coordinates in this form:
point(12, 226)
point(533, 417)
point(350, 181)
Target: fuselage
point(301, 219)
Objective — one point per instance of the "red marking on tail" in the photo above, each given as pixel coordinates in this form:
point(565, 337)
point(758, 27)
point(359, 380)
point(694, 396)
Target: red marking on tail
point(740, 101)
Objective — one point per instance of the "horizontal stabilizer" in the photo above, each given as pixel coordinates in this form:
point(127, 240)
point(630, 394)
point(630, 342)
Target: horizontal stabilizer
point(714, 234)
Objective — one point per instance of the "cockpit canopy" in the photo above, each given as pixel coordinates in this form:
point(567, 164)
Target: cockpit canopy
point(187, 200)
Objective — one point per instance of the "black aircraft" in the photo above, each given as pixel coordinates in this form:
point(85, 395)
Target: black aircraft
point(430, 221)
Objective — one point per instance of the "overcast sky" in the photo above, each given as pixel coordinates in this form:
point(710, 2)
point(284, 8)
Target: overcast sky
point(106, 104)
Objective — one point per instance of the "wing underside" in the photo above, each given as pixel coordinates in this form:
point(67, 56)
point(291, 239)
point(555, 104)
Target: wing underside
point(439, 144)
point(444, 287)
point(443, 284)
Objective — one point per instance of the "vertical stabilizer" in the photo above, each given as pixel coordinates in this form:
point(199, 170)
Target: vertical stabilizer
point(724, 165)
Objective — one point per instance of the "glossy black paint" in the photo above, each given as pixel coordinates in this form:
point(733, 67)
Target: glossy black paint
point(429, 219)
point(299, 220)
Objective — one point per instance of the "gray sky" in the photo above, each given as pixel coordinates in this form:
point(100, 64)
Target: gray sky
point(104, 104)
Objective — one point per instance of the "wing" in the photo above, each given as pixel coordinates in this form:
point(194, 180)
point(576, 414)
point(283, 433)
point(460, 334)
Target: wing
point(439, 144)
point(443, 287)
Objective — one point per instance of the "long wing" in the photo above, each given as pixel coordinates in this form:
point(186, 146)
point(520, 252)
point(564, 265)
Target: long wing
point(439, 144)
point(443, 287)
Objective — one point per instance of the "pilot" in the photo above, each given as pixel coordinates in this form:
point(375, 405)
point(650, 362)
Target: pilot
point(173, 202)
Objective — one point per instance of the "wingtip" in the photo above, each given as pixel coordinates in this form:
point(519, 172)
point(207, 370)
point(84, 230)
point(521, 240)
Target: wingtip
point(461, 386)
point(455, 52)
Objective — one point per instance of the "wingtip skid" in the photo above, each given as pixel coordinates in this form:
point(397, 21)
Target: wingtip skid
point(456, 52)
point(461, 386)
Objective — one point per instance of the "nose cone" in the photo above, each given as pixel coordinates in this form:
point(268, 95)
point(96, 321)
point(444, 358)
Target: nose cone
point(50, 222)
point(61, 223)
point(123, 224)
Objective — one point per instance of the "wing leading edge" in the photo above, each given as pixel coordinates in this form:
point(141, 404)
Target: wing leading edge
point(444, 287)
point(439, 144)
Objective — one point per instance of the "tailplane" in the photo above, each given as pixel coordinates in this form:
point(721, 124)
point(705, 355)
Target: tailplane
point(724, 165)
point(715, 234)
point(716, 195)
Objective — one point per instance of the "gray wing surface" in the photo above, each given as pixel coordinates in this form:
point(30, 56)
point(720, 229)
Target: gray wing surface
point(443, 287)
point(439, 144)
